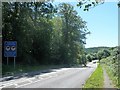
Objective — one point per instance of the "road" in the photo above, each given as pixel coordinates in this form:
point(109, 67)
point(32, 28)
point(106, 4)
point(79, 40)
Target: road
point(59, 78)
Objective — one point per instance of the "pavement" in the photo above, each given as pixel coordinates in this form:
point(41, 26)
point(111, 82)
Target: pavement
point(74, 77)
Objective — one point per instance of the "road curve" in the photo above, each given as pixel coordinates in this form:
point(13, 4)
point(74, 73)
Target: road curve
point(64, 78)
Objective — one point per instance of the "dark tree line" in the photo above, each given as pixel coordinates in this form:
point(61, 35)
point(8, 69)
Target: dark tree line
point(44, 34)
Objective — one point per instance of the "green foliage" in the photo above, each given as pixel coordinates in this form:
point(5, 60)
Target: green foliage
point(98, 52)
point(103, 54)
point(73, 33)
point(84, 59)
point(56, 40)
point(44, 34)
point(111, 65)
point(96, 80)
point(30, 30)
point(92, 56)
point(88, 4)
point(89, 58)
point(95, 49)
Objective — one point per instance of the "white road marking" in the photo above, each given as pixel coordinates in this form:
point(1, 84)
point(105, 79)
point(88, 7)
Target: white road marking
point(38, 78)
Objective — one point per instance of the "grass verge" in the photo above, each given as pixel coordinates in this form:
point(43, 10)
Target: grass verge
point(96, 80)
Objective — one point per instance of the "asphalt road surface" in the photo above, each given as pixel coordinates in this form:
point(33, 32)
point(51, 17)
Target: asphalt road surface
point(62, 78)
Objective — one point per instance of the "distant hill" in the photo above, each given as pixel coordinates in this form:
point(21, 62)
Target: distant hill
point(95, 49)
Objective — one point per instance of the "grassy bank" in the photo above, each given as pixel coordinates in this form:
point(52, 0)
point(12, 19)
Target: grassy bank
point(96, 80)
point(10, 70)
point(111, 67)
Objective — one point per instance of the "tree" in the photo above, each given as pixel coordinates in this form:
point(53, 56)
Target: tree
point(43, 36)
point(100, 54)
point(25, 23)
point(103, 54)
point(84, 60)
point(89, 58)
point(88, 4)
point(106, 53)
point(73, 33)
point(56, 40)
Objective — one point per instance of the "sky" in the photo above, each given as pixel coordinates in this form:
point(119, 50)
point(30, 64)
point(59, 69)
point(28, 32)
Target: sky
point(102, 22)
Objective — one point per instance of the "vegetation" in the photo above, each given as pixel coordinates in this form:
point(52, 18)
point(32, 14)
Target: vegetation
point(108, 58)
point(89, 58)
point(103, 54)
point(49, 35)
point(97, 53)
point(45, 35)
point(88, 4)
point(111, 65)
point(96, 80)
point(95, 49)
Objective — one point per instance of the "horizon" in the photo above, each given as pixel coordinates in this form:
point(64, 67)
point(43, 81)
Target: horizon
point(102, 46)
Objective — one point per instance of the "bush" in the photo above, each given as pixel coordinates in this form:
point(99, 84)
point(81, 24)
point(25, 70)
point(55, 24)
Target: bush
point(89, 58)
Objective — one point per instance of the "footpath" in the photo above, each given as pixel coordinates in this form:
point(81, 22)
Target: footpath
point(107, 81)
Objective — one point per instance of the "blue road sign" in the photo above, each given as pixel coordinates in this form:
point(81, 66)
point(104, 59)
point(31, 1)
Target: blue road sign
point(10, 49)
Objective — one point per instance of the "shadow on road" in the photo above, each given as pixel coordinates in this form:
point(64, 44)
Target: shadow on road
point(41, 72)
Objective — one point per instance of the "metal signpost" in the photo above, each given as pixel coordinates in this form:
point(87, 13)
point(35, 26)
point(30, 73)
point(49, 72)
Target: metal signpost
point(10, 50)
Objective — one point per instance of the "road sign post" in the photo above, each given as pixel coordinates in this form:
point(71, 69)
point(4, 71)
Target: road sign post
point(10, 50)
point(14, 62)
point(7, 60)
